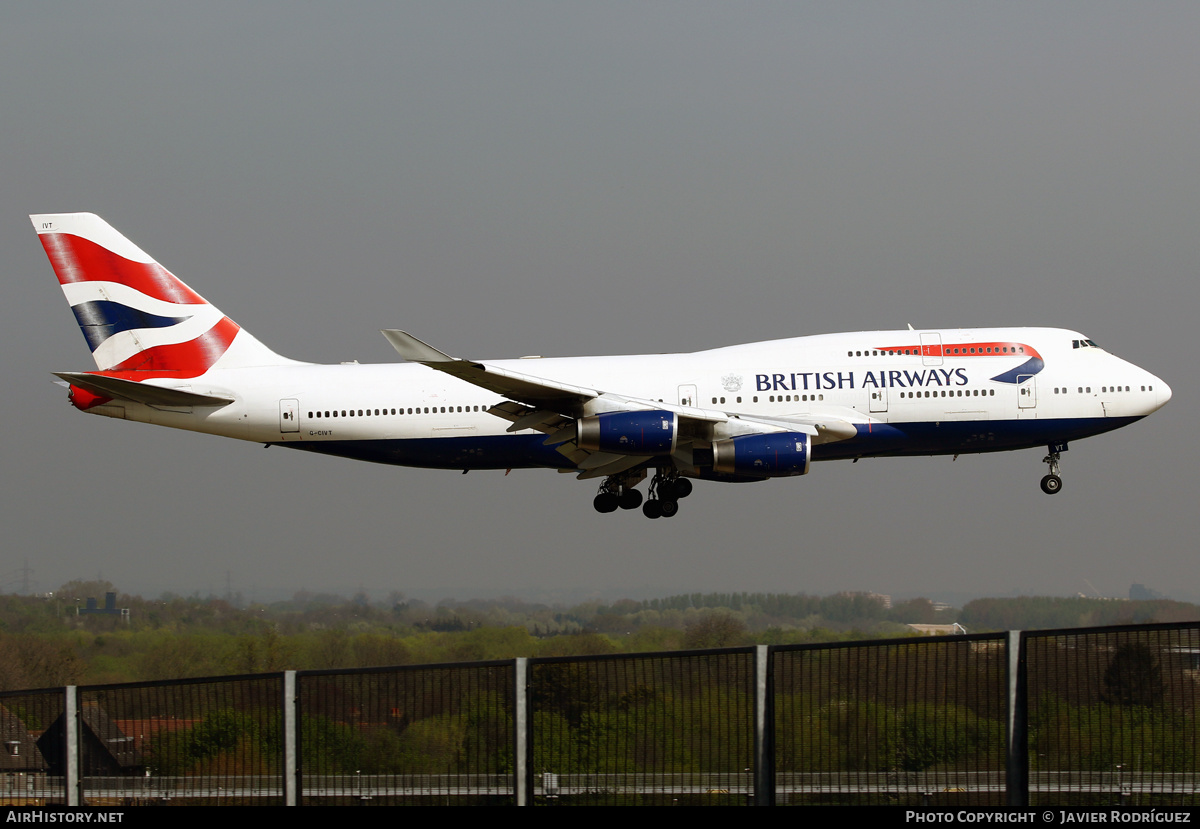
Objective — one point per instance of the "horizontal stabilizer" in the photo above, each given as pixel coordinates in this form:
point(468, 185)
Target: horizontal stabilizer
point(132, 390)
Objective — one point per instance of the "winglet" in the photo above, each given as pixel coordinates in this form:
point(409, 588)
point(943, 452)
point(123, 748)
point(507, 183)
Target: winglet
point(413, 350)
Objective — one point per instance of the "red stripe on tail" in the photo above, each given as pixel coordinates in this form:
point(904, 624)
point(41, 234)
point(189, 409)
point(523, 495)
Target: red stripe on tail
point(76, 259)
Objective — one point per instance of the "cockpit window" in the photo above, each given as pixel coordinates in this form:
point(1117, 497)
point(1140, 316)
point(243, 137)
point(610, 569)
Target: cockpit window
point(1084, 344)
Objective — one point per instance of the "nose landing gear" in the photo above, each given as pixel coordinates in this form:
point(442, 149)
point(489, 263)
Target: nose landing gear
point(1052, 483)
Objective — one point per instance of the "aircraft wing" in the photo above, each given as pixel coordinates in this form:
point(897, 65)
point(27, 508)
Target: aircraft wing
point(534, 391)
point(552, 408)
point(824, 428)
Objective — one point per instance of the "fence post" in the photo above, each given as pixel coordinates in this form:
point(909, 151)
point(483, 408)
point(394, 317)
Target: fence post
point(521, 779)
point(72, 783)
point(764, 748)
point(1016, 779)
point(291, 782)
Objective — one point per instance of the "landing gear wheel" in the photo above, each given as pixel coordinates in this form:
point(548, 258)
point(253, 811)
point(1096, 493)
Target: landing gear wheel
point(631, 499)
point(1051, 484)
point(605, 502)
point(652, 509)
point(668, 508)
point(666, 491)
point(683, 488)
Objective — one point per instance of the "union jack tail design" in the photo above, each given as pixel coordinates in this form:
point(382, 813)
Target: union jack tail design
point(139, 319)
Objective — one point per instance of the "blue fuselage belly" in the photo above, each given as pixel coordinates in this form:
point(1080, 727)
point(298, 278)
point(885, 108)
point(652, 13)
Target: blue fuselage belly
point(475, 452)
point(963, 437)
point(873, 440)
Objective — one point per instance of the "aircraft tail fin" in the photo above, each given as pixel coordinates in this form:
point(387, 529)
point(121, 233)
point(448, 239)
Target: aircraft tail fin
point(135, 314)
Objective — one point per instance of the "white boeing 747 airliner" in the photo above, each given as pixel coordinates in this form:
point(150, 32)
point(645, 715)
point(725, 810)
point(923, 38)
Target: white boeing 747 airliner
point(741, 413)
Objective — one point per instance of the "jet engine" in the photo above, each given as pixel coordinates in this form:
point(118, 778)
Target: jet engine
point(775, 455)
point(629, 433)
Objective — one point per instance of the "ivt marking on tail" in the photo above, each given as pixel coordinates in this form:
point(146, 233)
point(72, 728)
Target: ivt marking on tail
point(752, 412)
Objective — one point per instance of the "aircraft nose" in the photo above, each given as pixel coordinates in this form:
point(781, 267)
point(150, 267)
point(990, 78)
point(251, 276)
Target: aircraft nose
point(1162, 391)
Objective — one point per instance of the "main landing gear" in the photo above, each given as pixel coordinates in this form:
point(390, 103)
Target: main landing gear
point(1052, 483)
point(617, 491)
point(666, 488)
point(665, 491)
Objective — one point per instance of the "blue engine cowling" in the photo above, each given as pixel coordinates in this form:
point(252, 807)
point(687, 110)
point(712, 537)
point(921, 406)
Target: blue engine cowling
point(777, 455)
point(629, 433)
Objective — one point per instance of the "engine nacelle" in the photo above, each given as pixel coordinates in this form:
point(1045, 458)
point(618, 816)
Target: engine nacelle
point(629, 433)
point(777, 455)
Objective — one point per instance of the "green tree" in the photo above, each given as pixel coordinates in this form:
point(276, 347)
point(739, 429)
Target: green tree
point(715, 630)
point(1134, 677)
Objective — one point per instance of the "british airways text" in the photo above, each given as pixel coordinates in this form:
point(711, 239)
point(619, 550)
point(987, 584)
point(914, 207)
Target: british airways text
point(803, 381)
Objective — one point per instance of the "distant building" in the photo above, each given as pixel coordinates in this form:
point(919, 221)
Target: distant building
point(110, 607)
point(940, 630)
point(22, 766)
point(20, 751)
point(882, 598)
point(104, 749)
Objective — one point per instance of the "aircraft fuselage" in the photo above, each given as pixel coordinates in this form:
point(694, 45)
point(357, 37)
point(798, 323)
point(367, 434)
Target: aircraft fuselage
point(167, 356)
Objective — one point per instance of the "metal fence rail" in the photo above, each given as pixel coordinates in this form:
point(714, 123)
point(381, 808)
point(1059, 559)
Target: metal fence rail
point(440, 733)
point(643, 729)
point(26, 720)
point(894, 722)
point(204, 740)
point(1113, 711)
point(1103, 716)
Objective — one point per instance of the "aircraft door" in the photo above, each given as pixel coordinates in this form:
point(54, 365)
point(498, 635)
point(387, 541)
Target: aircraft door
point(1026, 391)
point(879, 401)
point(289, 416)
point(931, 348)
point(687, 395)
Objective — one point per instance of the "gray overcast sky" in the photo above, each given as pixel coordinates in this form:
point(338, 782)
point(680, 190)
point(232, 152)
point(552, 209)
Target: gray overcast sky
point(586, 178)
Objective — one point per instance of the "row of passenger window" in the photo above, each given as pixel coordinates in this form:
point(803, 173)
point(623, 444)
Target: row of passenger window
point(777, 398)
point(781, 398)
point(400, 411)
point(938, 351)
point(774, 398)
point(953, 393)
point(1103, 389)
point(806, 398)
